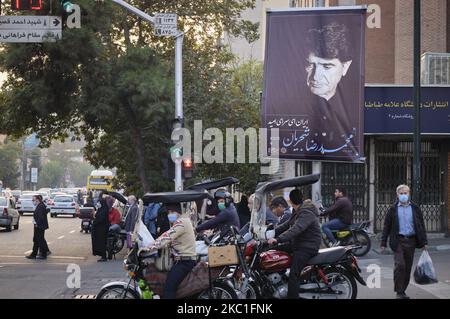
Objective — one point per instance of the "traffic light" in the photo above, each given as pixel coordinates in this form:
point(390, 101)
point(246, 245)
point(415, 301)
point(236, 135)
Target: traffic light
point(67, 5)
point(188, 168)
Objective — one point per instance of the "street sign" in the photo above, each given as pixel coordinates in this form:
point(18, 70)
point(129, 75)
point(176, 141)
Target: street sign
point(30, 29)
point(34, 174)
point(166, 24)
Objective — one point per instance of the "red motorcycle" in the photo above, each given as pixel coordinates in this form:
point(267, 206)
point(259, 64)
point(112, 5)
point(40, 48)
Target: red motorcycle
point(329, 275)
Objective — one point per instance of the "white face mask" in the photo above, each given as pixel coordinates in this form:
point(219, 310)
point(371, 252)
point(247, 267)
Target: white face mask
point(98, 205)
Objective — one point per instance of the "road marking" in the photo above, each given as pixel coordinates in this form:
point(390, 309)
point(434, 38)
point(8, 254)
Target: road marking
point(84, 296)
point(61, 237)
point(27, 252)
point(27, 222)
point(71, 232)
point(49, 257)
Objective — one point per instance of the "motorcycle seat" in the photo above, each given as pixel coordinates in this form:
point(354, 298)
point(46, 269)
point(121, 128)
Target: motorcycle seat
point(328, 255)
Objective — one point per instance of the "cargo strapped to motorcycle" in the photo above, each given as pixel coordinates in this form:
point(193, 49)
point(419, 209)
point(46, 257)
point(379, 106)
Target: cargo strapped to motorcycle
point(222, 256)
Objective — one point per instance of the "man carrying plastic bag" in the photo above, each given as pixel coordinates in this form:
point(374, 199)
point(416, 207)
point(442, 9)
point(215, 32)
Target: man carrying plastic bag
point(425, 273)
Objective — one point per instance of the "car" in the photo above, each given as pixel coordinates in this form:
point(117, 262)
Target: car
point(25, 203)
point(63, 205)
point(9, 216)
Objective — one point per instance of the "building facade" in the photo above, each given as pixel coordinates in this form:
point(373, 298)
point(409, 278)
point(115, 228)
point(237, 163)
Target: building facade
point(389, 62)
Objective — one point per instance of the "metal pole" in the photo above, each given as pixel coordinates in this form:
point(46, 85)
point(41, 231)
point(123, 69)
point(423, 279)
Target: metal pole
point(178, 81)
point(417, 129)
point(178, 101)
point(136, 11)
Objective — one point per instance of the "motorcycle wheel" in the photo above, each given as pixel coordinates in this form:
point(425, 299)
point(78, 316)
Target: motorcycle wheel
point(219, 291)
point(118, 246)
point(363, 239)
point(340, 280)
point(117, 292)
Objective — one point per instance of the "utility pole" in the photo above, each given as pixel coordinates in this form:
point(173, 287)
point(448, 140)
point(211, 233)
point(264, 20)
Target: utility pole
point(417, 84)
point(178, 123)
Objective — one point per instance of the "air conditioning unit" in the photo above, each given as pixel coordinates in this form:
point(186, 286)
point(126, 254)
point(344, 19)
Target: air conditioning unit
point(435, 68)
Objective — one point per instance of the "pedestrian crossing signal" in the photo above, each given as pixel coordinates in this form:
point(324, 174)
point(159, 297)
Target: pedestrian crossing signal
point(188, 168)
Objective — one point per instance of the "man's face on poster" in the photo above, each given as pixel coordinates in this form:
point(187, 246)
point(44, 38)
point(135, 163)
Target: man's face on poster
point(324, 75)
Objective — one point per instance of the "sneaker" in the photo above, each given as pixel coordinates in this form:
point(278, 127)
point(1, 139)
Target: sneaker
point(41, 257)
point(49, 253)
point(402, 295)
point(31, 256)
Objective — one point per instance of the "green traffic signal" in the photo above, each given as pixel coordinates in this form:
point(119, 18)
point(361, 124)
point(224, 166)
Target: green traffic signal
point(67, 5)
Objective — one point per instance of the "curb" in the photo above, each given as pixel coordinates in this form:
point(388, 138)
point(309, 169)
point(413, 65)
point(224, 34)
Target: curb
point(388, 251)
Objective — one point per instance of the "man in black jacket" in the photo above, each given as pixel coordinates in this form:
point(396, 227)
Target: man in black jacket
point(302, 231)
point(341, 214)
point(405, 228)
point(40, 225)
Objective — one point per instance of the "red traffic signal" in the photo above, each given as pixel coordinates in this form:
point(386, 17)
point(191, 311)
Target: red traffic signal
point(187, 163)
point(188, 168)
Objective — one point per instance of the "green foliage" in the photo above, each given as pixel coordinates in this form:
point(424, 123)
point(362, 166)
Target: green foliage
point(111, 82)
point(9, 168)
point(51, 175)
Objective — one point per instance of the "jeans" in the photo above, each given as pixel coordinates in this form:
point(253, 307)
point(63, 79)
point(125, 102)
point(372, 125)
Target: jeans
point(334, 224)
point(39, 242)
point(175, 276)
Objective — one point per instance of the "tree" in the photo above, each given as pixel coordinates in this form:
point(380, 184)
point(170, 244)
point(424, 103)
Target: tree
point(51, 175)
point(102, 82)
point(79, 171)
point(243, 111)
point(9, 164)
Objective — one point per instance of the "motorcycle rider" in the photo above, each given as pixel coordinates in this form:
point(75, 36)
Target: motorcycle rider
point(181, 238)
point(341, 215)
point(227, 215)
point(302, 231)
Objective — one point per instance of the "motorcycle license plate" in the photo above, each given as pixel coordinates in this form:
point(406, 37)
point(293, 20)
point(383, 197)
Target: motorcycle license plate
point(85, 223)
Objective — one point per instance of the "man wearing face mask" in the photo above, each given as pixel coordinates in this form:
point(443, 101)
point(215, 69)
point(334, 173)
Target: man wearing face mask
point(40, 225)
point(405, 228)
point(181, 238)
point(227, 216)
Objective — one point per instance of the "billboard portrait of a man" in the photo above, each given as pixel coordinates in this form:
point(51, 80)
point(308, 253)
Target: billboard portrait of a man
point(314, 83)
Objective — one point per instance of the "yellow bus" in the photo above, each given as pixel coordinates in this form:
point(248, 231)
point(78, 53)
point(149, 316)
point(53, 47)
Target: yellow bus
point(100, 180)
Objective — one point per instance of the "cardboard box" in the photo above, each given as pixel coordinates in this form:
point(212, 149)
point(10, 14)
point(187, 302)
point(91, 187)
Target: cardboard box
point(222, 256)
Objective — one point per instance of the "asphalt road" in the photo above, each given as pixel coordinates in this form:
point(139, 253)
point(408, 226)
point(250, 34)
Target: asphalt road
point(23, 278)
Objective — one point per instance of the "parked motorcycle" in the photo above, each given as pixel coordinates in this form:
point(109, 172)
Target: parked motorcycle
point(115, 241)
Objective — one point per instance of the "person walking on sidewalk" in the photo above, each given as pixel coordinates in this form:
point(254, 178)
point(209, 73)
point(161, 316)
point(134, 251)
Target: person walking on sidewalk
point(405, 228)
point(40, 222)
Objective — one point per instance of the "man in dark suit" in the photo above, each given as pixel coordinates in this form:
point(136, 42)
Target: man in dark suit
point(40, 225)
point(405, 228)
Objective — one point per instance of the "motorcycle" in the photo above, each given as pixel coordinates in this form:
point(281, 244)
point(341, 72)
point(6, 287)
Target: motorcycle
point(115, 240)
point(86, 214)
point(146, 281)
point(332, 273)
point(355, 235)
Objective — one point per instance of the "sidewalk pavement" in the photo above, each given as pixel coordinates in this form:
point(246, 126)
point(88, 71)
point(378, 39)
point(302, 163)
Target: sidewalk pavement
point(436, 242)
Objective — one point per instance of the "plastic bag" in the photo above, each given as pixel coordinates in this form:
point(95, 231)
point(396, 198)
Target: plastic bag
point(144, 238)
point(425, 273)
